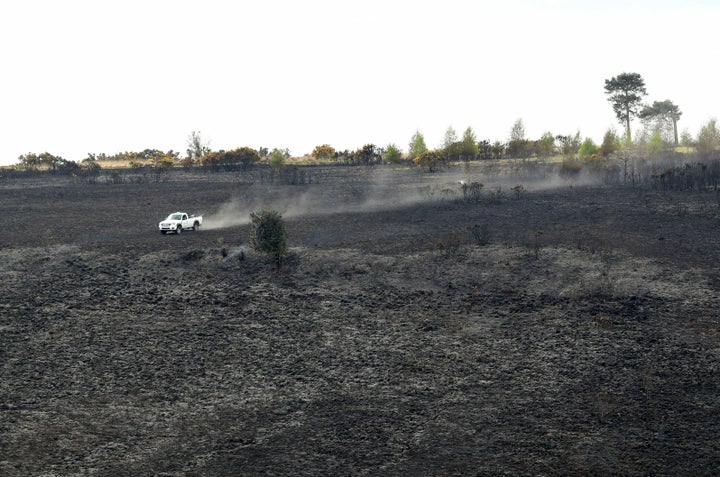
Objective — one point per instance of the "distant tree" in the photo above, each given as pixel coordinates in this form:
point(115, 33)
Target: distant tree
point(164, 163)
point(263, 151)
point(186, 162)
point(51, 161)
point(45, 160)
point(210, 159)
point(241, 156)
point(484, 149)
point(268, 234)
point(708, 139)
point(545, 147)
point(153, 155)
point(64, 166)
point(686, 139)
point(54, 164)
point(625, 92)
point(197, 146)
point(277, 159)
point(655, 143)
point(469, 147)
point(611, 142)
point(29, 161)
point(663, 115)
point(159, 159)
point(323, 152)
point(517, 132)
point(90, 167)
point(417, 145)
point(570, 144)
point(368, 154)
point(587, 148)
point(245, 156)
point(450, 147)
point(393, 155)
point(345, 156)
point(517, 145)
point(450, 138)
point(497, 150)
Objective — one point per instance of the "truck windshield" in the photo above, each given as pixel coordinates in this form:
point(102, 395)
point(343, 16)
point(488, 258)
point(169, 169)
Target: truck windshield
point(175, 217)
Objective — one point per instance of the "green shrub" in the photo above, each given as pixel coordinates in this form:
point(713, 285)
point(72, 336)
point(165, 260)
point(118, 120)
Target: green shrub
point(277, 159)
point(323, 152)
point(268, 234)
point(587, 148)
point(429, 161)
point(393, 155)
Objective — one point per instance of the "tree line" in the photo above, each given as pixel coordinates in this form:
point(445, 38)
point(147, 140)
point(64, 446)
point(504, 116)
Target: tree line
point(625, 93)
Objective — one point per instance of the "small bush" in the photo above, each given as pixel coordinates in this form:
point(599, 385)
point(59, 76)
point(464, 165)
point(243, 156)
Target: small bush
point(268, 234)
point(472, 192)
point(496, 196)
point(481, 234)
point(537, 243)
point(449, 244)
point(429, 161)
point(518, 190)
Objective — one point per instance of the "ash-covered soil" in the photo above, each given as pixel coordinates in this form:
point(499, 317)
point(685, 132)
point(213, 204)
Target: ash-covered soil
point(570, 330)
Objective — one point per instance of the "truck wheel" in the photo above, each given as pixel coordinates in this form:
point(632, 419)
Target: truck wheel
point(196, 226)
point(178, 230)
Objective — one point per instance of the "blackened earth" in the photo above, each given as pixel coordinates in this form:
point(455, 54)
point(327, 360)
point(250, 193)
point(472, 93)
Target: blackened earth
point(565, 330)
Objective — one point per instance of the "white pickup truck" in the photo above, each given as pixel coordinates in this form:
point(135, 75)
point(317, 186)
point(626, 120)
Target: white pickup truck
point(179, 221)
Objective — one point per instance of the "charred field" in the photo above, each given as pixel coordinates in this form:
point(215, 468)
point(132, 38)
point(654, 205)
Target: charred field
point(561, 329)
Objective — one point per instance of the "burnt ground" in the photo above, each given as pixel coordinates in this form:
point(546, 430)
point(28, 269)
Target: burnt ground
point(568, 331)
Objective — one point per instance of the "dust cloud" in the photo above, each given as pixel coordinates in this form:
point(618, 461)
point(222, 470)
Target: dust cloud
point(230, 214)
point(385, 189)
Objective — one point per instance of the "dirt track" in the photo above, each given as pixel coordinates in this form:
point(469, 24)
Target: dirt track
point(582, 339)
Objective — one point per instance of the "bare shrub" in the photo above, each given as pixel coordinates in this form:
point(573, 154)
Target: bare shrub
point(603, 286)
point(603, 322)
point(496, 196)
point(472, 192)
point(606, 282)
point(536, 243)
point(480, 233)
point(518, 189)
point(449, 244)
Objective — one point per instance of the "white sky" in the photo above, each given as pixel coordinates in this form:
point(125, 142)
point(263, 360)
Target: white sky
point(109, 76)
